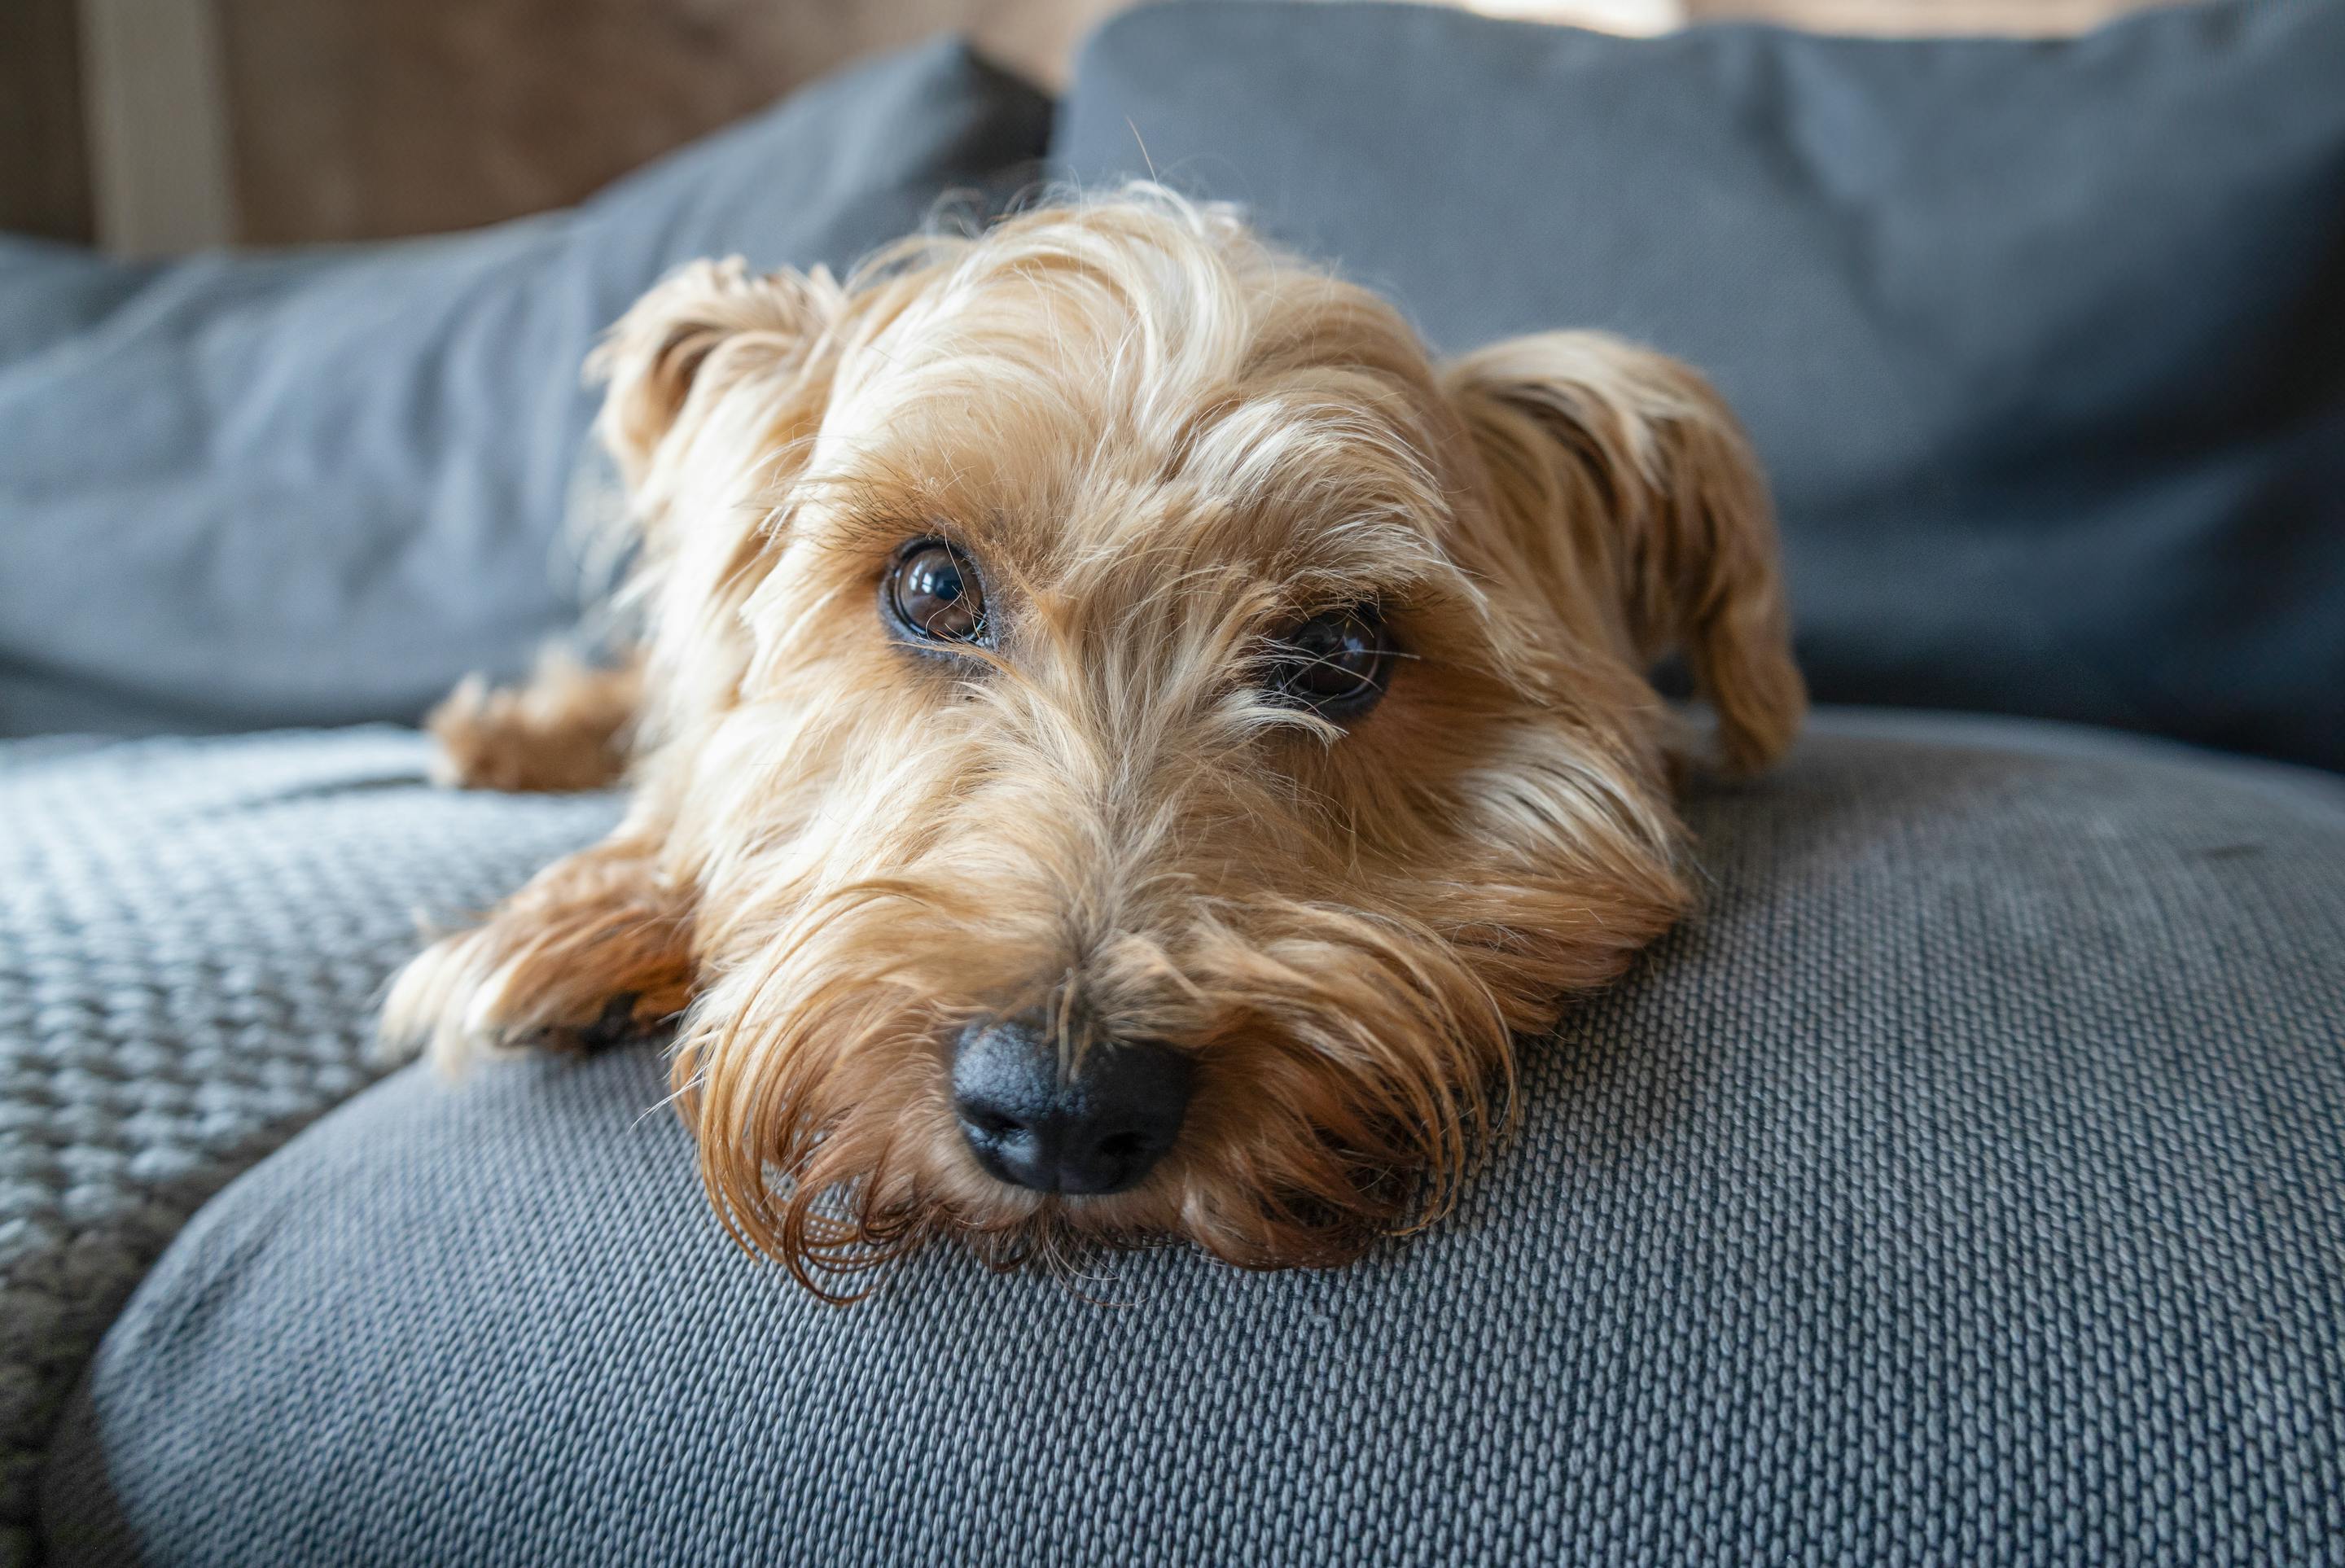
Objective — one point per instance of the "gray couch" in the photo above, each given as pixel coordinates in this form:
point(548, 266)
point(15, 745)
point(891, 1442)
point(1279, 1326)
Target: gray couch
point(1965, 1184)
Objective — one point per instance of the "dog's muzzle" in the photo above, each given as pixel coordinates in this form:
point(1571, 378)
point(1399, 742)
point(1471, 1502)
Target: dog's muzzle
point(1098, 1130)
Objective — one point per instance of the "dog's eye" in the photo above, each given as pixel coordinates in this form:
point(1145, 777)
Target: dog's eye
point(933, 593)
point(1335, 664)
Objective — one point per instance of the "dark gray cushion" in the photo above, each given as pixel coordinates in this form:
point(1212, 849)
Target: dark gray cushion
point(2044, 342)
point(318, 487)
point(1965, 1184)
point(193, 937)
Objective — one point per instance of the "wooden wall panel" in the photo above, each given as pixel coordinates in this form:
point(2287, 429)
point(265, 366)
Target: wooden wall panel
point(358, 118)
point(45, 186)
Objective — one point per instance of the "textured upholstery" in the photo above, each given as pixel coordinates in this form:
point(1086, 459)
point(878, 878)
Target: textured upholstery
point(191, 938)
point(2042, 343)
point(1965, 1184)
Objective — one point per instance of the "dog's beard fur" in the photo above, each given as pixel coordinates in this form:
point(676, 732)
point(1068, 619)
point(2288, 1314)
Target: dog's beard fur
point(1162, 442)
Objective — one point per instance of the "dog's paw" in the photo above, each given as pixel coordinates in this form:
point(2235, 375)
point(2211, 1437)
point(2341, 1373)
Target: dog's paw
point(589, 955)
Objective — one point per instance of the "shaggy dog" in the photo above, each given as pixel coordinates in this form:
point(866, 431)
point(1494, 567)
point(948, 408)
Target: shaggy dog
point(1121, 743)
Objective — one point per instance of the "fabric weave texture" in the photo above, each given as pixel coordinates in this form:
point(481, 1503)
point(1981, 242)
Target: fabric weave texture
point(192, 937)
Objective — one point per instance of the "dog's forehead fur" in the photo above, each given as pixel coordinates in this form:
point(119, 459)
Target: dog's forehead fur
point(1067, 395)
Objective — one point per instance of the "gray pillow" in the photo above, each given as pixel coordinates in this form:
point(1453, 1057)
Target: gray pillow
point(1967, 1185)
point(318, 487)
point(2044, 342)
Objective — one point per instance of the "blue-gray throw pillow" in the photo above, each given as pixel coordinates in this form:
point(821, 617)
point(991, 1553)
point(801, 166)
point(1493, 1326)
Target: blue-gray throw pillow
point(2044, 342)
point(319, 486)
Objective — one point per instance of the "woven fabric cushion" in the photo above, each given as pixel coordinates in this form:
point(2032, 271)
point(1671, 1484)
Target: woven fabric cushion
point(192, 935)
point(2042, 343)
point(1967, 1184)
point(321, 486)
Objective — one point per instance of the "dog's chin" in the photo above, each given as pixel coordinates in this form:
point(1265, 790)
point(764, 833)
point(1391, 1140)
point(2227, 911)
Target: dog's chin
point(836, 1217)
point(837, 1238)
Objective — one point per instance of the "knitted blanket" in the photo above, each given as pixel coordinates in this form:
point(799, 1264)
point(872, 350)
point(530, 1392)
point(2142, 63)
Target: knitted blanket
point(192, 937)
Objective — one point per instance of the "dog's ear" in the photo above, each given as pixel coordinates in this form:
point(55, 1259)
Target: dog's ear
point(705, 328)
point(1633, 493)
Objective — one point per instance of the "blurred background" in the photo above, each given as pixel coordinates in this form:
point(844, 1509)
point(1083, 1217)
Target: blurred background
point(149, 127)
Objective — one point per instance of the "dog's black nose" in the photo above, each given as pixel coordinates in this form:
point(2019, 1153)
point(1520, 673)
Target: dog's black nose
point(1100, 1130)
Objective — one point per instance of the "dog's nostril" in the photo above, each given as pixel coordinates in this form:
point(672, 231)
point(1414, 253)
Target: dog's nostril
point(1122, 1144)
point(988, 1122)
point(1100, 1130)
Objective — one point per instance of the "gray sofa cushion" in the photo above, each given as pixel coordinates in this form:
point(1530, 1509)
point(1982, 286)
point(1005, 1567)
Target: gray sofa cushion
point(2044, 342)
point(318, 487)
point(1966, 1184)
point(192, 936)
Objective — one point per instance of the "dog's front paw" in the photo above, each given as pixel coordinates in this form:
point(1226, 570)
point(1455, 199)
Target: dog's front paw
point(591, 953)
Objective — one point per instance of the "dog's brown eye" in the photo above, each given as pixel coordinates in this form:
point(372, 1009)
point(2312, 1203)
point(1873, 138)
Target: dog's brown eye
point(933, 593)
point(1335, 664)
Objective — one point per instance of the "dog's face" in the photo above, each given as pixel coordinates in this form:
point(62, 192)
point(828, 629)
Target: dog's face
point(1138, 741)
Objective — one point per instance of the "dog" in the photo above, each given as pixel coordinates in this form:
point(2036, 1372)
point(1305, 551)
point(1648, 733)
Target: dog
point(1122, 743)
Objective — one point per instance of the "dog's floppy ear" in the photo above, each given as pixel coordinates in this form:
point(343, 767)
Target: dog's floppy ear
point(1633, 494)
point(705, 328)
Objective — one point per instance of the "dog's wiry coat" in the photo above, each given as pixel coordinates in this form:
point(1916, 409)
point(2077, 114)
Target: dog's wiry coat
point(1161, 441)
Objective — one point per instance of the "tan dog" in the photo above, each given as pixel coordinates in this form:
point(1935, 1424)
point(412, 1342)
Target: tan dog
point(1125, 743)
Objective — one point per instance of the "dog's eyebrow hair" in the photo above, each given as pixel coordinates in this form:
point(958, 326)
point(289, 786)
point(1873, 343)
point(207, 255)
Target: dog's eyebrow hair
point(861, 530)
point(879, 511)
